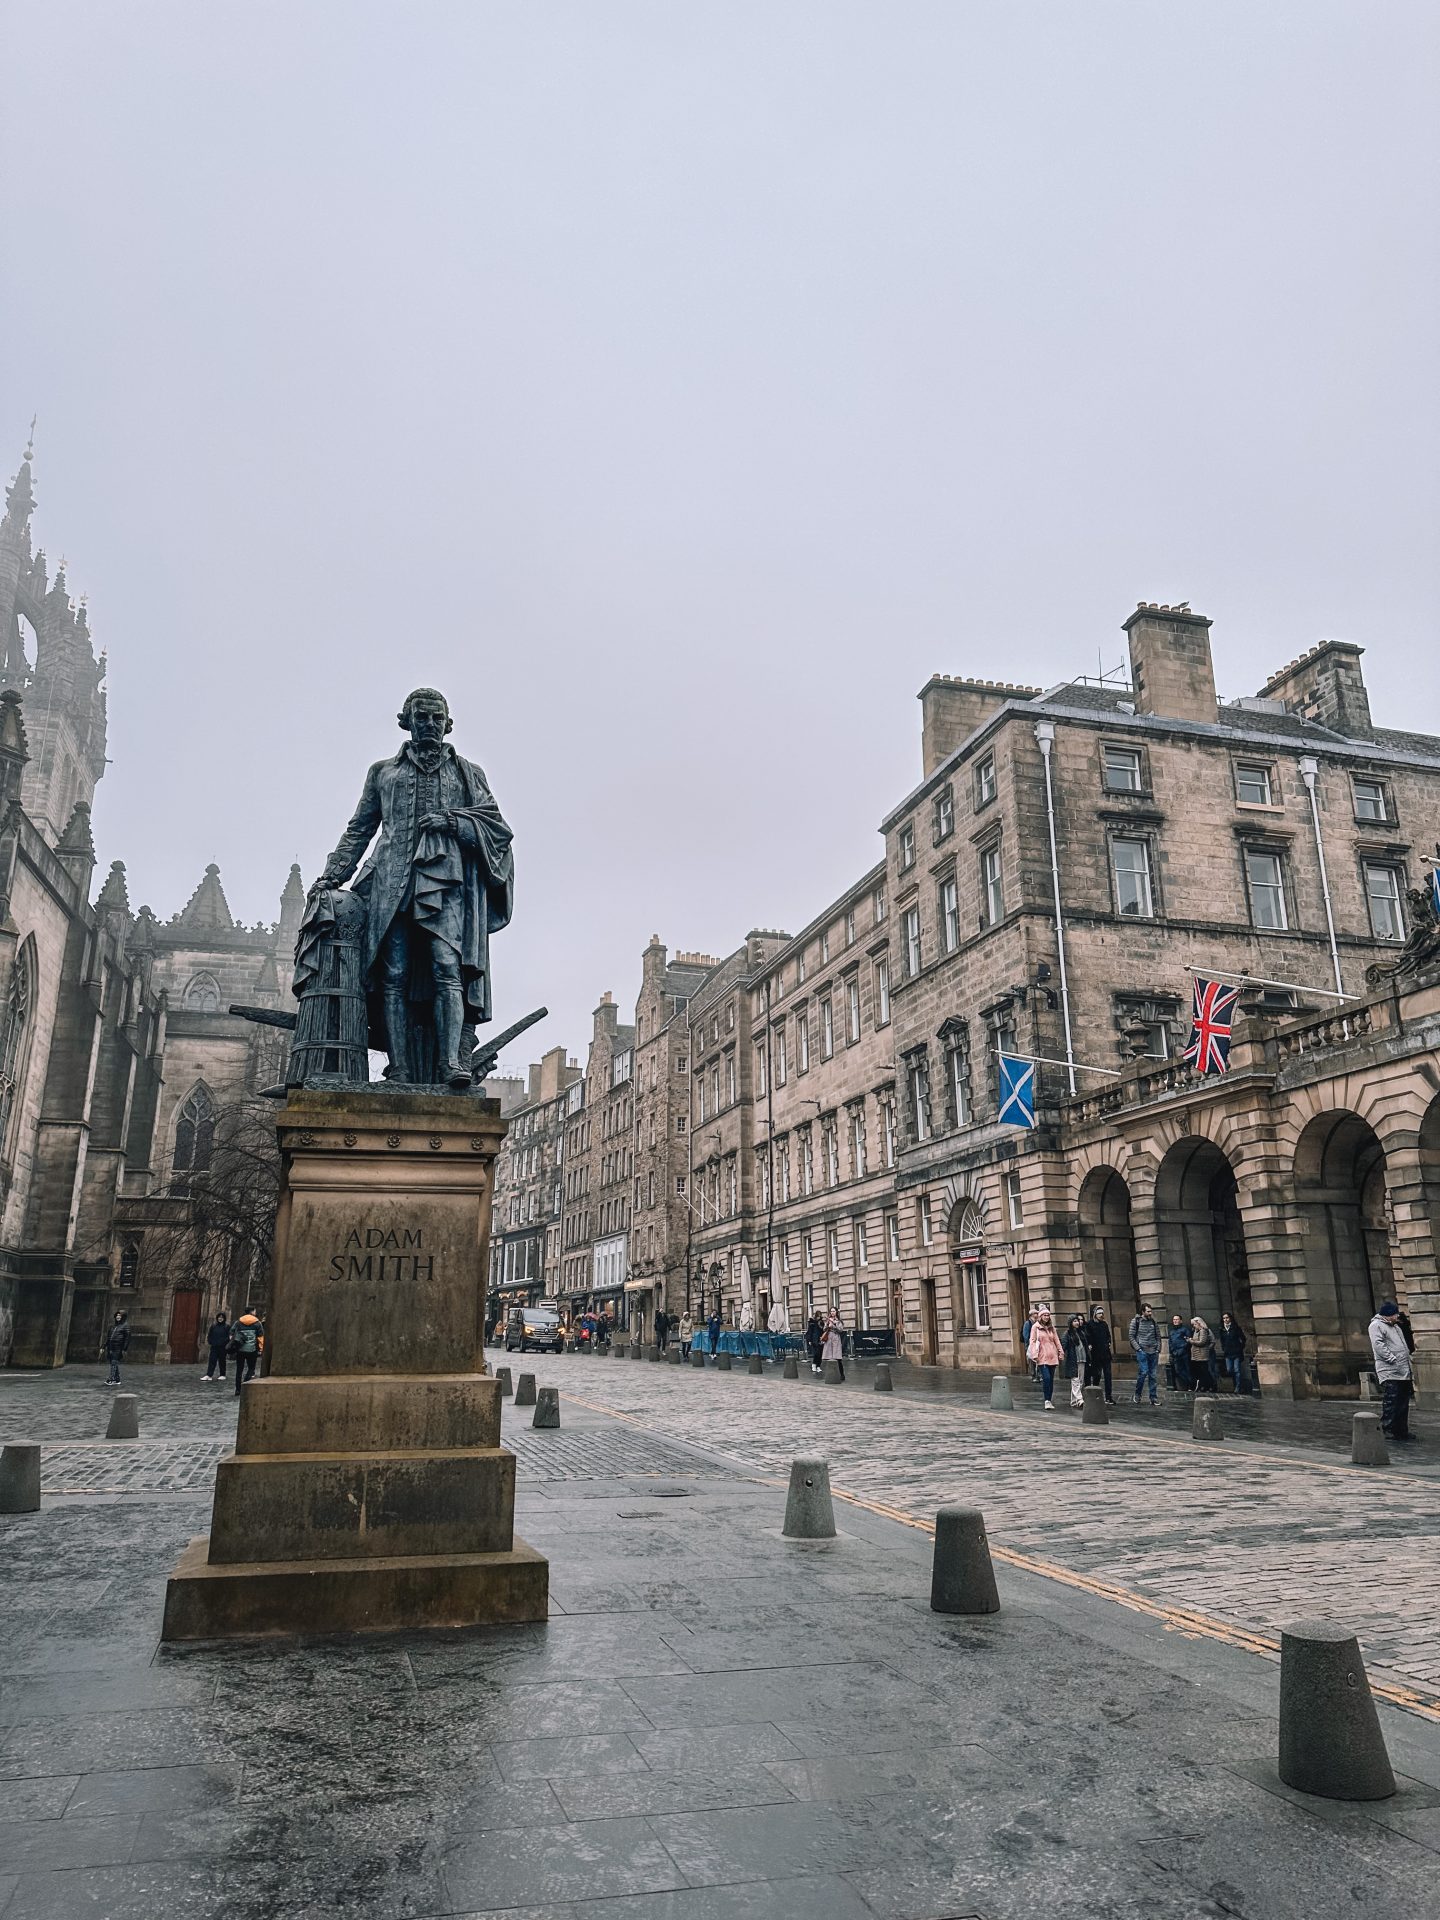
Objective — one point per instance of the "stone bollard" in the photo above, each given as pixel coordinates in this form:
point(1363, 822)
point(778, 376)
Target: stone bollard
point(1094, 1412)
point(525, 1390)
point(507, 1385)
point(792, 1367)
point(637, 1352)
point(1369, 1387)
point(1330, 1738)
point(725, 1362)
point(1367, 1442)
point(675, 1357)
point(697, 1358)
point(124, 1418)
point(19, 1479)
point(809, 1512)
point(962, 1579)
point(547, 1408)
point(1001, 1399)
point(754, 1364)
point(833, 1375)
point(1205, 1422)
point(883, 1382)
point(653, 1353)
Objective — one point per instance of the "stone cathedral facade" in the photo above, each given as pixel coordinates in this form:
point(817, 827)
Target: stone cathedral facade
point(118, 1061)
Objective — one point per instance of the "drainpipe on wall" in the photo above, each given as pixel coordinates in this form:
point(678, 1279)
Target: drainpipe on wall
point(1309, 768)
point(1045, 734)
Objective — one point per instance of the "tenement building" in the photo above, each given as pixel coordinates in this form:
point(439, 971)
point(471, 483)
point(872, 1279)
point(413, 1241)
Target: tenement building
point(525, 1222)
point(120, 1070)
point(1070, 863)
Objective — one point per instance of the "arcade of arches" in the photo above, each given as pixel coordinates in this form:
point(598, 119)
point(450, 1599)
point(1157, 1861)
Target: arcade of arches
point(1300, 1242)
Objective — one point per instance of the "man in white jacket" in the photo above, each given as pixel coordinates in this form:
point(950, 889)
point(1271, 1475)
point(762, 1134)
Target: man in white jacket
point(1392, 1371)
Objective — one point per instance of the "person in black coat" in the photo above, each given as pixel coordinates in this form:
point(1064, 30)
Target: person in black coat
point(1232, 1346)
point(219, 1340)
point(117, 1342)
point(662, 1328)
point(815, 1341)
point(1100, 1341)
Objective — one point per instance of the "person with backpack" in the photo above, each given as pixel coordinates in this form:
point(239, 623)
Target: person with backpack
point(219, 1342)
point(1144, 1337)
point(687, 1334)
point(245, 1345)
point(117, 1341)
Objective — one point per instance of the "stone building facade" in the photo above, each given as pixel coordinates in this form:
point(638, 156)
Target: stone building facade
point(117, 1059)
point(1069, 862)
point(529, 1172)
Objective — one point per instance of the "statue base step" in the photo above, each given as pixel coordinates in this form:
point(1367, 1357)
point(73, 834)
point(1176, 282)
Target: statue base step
point(206, 1600)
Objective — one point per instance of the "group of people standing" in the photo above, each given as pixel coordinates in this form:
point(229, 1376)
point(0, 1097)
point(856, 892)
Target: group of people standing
point(825, 1340)
point(1085, 1354)
point(242, 1340)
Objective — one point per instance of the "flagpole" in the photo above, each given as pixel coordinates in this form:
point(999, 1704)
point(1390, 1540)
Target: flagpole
point(1045, 1060)
point(1256, 980)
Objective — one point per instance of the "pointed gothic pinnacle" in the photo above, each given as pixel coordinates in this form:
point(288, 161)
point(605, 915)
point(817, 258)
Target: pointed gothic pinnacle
point(77, 837)
point(114, 895)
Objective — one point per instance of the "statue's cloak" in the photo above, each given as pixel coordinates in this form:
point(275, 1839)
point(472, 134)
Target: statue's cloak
point(459, 888)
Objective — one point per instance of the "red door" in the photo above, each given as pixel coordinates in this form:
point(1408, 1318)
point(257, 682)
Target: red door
point(185, 1327)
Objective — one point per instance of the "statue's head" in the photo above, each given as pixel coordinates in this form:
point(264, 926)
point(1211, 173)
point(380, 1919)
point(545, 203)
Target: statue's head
point(425, 716)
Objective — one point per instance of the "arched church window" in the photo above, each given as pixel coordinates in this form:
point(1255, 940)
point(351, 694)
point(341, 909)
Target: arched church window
point(129, 1263)
point(194, 1138)
point(14, 1042)
point(202, 994)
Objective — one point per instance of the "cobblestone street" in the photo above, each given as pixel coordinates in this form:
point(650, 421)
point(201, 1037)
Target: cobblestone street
point(715, 1724)
point(1251, 1532)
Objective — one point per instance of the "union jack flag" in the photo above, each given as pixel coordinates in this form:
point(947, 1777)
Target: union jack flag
point(1210, 1024)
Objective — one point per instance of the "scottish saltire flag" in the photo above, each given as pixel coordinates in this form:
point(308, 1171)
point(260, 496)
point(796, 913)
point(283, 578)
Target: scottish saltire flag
point(1017, 1091)
point(1210, 1025)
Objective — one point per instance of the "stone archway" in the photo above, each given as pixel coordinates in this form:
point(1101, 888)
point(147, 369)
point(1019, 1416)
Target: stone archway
point(1203, 1263)
point(1107, 1248)
point(1341, 1201)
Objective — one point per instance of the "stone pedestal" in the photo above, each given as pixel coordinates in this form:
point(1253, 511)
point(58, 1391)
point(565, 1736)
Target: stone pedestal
point(368, 1488)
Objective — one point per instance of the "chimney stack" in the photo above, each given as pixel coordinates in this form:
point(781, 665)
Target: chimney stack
point(1170, 665)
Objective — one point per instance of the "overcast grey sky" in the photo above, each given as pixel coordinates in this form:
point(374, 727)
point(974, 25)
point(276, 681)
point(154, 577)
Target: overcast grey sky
point(678, 385)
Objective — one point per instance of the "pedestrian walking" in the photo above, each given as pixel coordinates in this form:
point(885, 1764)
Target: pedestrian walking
point(245, 1345)
point(1026, 1330)
point(662, 1328)
point(1202, 1355)
point(1047, 1353)
point(1177, 1367)
point(1075, 1358)
point(814, 1342)
point(834, 1344)
point(712, 1327)
point(1145, 1345)
point(1102, 1353)
point(218, 1340)
point(117, 1341)
point(687, 1334)
point(1232, 1348)
point(1394, 1372)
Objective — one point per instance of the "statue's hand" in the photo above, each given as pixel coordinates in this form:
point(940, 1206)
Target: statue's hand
point(437, 823)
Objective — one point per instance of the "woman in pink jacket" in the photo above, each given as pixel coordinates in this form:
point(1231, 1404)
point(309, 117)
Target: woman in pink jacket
point(1047, 1353)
